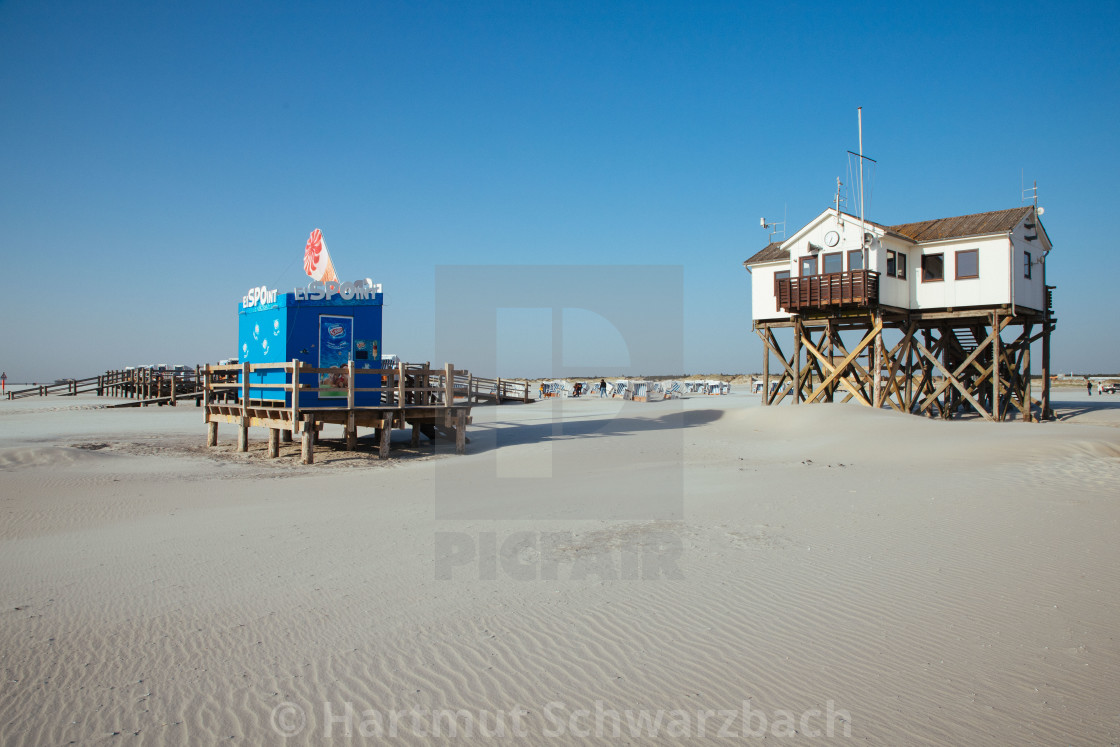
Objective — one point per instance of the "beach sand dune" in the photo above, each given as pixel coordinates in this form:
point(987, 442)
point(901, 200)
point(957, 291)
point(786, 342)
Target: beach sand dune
point(901, 580)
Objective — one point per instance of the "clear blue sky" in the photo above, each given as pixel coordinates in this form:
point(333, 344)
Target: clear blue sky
point(160, 158)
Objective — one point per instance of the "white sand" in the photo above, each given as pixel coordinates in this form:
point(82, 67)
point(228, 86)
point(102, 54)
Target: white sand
point(936, 583)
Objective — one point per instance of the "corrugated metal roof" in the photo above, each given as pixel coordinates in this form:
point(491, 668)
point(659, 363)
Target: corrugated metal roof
point(977, 224)
point(771, 253)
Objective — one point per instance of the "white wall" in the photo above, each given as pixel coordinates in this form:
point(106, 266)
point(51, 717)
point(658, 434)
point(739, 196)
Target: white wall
point(991, 288)
point(1028, 292)
point(763, 302)
point(894, 291)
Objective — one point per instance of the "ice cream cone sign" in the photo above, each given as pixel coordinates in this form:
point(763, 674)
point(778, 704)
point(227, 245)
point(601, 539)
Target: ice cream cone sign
point(317, 260)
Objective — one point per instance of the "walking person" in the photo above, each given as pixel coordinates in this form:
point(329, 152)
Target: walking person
point(1089, 386)
point(602, 388)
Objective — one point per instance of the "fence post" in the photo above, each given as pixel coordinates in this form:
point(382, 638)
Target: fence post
point(449, 385)
point(295, 396)
point(401, 396)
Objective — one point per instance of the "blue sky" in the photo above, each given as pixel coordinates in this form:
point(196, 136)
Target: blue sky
point(161, 158)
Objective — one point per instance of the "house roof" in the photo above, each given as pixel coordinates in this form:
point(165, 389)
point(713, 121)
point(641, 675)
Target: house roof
point(961, 226)
point(771, 253)
point(977, 224)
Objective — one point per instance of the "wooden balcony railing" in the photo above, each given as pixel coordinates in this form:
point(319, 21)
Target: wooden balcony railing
point(856, 288)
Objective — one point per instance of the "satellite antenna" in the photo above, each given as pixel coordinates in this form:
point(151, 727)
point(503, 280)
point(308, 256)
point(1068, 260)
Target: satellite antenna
point(762, 222)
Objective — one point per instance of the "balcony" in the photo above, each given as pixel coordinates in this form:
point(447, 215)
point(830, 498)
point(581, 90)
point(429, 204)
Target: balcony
point(813, 292)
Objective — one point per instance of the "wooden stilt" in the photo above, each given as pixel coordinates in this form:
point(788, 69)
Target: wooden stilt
point(273, 443)
point(797, 333)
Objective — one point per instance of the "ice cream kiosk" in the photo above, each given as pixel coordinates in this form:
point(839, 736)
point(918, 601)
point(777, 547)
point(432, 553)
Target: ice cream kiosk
point(325, 325)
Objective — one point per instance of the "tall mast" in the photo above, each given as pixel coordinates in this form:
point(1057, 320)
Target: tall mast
point(862, 225)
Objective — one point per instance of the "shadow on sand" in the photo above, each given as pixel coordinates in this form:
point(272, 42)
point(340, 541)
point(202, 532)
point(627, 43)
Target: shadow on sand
point(493, 435)
point(1066, 410)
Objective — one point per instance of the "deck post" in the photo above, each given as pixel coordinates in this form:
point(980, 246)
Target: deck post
point(448, 385)
point(295, 396)
point(385, 436)
point(351, 432)
point(498, 391)
point(206, 394)
point(212, 433)
point(243, 429)
point(461, 432)
point(349, 385)
point(400, 384)
point(307, 450)
point(273, 443)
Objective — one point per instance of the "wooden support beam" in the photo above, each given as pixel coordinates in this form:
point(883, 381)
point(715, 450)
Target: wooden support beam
point(295, 396)
point(273, 443)
point(997, 413)
point(765, 372)
point(797, 333)
point(953, 380)
point(461, 432)
point(243, 428)
point(837, 371)
point(307, 445)
point(385, 438)
point(212, 433)
point(351, 432)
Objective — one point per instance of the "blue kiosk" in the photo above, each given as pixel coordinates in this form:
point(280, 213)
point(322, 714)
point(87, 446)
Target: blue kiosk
point(325, 325)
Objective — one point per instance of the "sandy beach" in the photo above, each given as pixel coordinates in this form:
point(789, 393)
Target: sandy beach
point(592, 571)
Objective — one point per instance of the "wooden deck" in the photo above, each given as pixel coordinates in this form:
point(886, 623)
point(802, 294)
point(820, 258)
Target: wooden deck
point(859, 288)
point(415, 397)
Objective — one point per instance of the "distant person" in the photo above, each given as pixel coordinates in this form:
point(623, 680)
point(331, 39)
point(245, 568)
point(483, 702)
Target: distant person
point(1089, 387)
point(602, 388)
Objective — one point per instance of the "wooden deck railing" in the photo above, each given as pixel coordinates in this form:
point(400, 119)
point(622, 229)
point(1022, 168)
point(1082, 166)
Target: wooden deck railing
point(855, 288)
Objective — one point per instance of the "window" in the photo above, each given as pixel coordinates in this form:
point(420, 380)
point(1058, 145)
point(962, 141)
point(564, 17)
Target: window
point(968, 264)
point(901, 266)
point(808, 266)
point(891, 255)
point(855, 259)
point(1026, 264)
point(933, 267)
point(833, 262)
